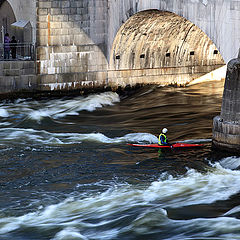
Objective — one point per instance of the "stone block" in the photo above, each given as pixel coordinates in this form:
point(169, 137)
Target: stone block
point(27, 71)
point(46, 79)
point(15, 65)
point(44, 4)
point(56, 25)
point(42, 25)
point(6, 65)
point(75, 31)
point(43, 18)
point(28, 64)
point(11, 72)
point(65, 4)
point(67, 25)
point(42, 32)
point(42, 11)
point(56, 4)
point(74, 4)
point(55, 40)
point(79, 4)
point(60, 18)
point(73, 11)
point(66, 11)
point(73, 62)
point(56, 11)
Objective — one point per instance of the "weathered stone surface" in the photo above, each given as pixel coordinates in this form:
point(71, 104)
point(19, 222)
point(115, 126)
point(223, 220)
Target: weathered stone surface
point(144, 42)
point(77, 37)
point(226, 127)
point(17, 76)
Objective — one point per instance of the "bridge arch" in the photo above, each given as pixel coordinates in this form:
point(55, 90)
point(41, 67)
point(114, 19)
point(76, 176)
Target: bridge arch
point(153, 38)
point(217, 18)
point(174, 47)
point(7, 17)
point(14, 10)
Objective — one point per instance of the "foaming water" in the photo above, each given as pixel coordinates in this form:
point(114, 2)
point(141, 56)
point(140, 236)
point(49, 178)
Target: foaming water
point(47, 138)
point(196, 188)
point(68, 173)
point(57, 108)
point(230, 162)
point(137, 210)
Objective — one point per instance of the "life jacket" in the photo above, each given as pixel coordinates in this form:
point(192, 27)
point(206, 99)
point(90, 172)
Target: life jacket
point(164, 139)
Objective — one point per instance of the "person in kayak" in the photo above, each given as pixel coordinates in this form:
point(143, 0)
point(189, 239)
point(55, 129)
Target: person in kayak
point(162, 139)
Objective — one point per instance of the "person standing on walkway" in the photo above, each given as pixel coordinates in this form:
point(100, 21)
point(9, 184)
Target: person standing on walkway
point(13, 47)
point(6, 46)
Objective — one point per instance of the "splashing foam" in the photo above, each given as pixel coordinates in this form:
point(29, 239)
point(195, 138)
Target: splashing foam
point(59, 109)
point(3, 112)
point(230, 162)
point(44, 137)
point(150, 202)
point(196, 188)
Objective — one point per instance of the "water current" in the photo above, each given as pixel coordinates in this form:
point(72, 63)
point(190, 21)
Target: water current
point(67, 171)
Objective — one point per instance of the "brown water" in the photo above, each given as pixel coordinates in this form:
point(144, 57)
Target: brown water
point(68, 173)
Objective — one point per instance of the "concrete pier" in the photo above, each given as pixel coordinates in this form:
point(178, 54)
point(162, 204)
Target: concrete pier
point(226, 127)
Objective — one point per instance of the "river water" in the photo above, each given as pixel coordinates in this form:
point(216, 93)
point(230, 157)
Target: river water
point(68, 173)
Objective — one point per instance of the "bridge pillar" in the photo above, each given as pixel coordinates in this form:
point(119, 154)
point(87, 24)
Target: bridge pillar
point(226, 127)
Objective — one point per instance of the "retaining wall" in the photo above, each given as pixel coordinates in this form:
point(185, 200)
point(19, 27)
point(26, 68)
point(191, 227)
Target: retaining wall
point(17, 76)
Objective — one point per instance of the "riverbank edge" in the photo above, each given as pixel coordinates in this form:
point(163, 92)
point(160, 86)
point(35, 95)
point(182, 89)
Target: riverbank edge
point(44, 94)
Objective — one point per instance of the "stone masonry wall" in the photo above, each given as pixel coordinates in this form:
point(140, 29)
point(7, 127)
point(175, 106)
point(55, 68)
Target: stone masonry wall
point(179, 76)
point(17, 76)
point(226, 127)
point(71, 38)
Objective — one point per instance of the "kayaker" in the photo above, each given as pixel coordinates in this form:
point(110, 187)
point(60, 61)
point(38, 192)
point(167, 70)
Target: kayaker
point(162, 139)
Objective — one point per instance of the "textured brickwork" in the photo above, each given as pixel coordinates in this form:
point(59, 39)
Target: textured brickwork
point(167, 48)
point(231, 96)
point(71, 39)
point(113, 42)
point(17, 76)
point(166, 75)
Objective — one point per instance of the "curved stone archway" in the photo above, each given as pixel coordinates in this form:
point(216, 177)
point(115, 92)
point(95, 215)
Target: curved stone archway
point(14, 10)
point(162, 43)
point(7, 17)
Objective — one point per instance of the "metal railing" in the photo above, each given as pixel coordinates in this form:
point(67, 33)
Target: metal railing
point(17, 52)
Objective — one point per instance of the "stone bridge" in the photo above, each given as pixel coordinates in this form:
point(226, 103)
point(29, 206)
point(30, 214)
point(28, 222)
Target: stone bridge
point(99, 43)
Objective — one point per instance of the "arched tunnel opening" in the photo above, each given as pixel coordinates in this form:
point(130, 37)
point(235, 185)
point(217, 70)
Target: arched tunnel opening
point(161, 47)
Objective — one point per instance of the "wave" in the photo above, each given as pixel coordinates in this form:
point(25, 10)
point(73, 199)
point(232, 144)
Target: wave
point(57, 108)
point(195, 187)
point(21, 135)
point(230, 162)
point(127, 209)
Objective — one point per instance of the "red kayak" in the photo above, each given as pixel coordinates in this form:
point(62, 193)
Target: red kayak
point(175, 145)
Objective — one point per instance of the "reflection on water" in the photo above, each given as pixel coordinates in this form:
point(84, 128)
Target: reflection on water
point(68, 173)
